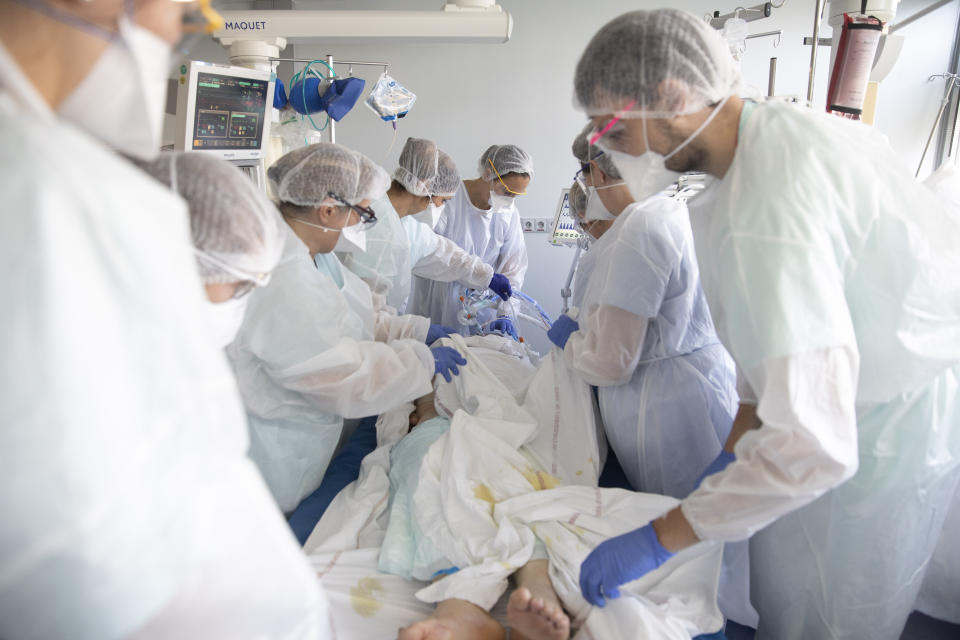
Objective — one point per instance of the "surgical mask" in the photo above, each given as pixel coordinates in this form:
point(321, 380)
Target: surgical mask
point(499, 203)
point(224, 319)
point(353, 239)
point(596, 210)
point(121, 101)
point(647, 175)
point(430, 216)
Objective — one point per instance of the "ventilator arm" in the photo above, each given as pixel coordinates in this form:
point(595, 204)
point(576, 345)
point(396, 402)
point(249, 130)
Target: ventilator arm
point(606, 349)
point(807, 445)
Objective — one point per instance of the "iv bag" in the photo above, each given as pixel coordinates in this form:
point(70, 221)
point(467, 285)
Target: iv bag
point(389, 99)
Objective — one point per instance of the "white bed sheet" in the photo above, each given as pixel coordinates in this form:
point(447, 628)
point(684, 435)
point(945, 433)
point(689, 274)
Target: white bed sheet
point(521, 461)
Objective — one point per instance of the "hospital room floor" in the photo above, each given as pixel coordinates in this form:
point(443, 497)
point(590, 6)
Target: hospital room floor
point(919, 627)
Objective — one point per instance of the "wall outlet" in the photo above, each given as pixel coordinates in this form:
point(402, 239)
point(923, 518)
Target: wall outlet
point(536, 225)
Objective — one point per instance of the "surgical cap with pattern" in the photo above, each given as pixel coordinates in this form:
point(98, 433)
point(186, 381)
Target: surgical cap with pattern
point(448, 177)
point(583, 151)
point(505, 158)
point(417, 166)
point(373, 181)
point(578, 200)
point(237, 232)
point(658, 64)
point(306, 176)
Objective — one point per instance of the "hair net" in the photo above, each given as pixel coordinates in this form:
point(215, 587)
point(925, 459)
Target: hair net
point(237, 232)
point(418, 166)
point(506, 158)
point(658, 63)
point(583, 151)
point(373, 181)
point(578, 200)
point(448, 176)
point(306, 175)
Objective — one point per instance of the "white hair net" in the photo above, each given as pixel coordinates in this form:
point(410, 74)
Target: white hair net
point(656, 64)
point(373, 181)
point(448, 176)
point(506, 158)
point(578, 200)
point(584, 152)
point(418, 166)
point(306, 176)
point(237, 232)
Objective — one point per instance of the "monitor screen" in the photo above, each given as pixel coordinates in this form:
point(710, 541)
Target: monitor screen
point(229, 112)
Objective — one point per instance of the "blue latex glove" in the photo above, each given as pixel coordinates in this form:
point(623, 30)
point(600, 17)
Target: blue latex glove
point(618, 561)
point(719, 464)
point(500, 285)
point(560, 332)
point(446, 360)
point(437, 331)
point(504, 325)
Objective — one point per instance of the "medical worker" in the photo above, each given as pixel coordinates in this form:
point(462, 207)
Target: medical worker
point(686, 382)
point(400, 245)
point(831, 274)
point(237, 233)
point(312, 350)
point(594, 228)
point(644, 336)
point(129, 504)
point(482, 218)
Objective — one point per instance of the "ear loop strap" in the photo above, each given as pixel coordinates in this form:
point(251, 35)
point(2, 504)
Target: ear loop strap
point(698, 131)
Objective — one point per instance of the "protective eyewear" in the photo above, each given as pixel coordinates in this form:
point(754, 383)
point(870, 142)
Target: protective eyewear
point(509, 190)
point(367, 216)
point(578, 178)
point(606, 136)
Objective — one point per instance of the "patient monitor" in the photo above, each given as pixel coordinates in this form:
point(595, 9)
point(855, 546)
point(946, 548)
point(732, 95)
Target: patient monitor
point(225, 111)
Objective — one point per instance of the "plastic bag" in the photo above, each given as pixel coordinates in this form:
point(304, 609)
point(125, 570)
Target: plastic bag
point(389, 99)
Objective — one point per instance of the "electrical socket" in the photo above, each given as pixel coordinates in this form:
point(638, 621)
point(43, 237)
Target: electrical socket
point(536, 225)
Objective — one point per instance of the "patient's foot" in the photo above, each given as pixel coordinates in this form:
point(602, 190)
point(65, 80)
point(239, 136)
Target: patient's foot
point(455, 620)
point(534, 611)
point(428, 629)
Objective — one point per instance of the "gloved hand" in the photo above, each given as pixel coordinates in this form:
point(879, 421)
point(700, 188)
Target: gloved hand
point(500, 285)
point(618, 561)
point(719, 464)
point(505, 325)
point(437, 331)
point(446, 360)
point(560, 332)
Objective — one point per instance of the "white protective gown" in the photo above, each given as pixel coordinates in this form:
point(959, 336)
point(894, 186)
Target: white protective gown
point(666, 386)
point(940, 593)
point(581, 278)
point(398, 248)
point(311, 352)
point(832, 277)
point(496, 238)
point(130, 508)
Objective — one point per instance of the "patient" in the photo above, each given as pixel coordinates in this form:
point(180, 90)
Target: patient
point(534, 612)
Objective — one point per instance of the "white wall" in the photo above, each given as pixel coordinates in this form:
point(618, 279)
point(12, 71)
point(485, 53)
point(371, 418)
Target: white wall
point(470, 96)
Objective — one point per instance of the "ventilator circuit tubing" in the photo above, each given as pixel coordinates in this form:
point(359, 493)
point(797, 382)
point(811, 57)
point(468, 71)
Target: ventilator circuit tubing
point(474, 301)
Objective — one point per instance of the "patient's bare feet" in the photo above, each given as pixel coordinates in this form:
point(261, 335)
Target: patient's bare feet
point(534, 611)
point(428, 629)
point(455, 620)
